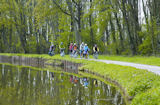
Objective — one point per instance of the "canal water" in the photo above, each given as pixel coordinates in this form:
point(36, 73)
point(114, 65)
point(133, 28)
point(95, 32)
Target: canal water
point(27, 86)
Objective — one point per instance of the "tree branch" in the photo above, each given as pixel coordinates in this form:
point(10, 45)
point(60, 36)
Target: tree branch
point(75, 2)
point(76, 19)
point(64, 11)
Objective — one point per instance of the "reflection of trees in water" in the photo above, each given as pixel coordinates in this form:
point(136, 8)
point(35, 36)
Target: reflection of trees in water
point(27, 86)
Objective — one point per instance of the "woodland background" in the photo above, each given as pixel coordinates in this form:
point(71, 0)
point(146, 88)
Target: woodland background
point(118, 27)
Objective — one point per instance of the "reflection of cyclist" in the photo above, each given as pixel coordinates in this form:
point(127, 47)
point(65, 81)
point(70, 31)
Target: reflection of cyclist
point(75, 80)
point(61, 77)
point(71, 78)
point(52, 75)
point(95, 83)
point(85, 82)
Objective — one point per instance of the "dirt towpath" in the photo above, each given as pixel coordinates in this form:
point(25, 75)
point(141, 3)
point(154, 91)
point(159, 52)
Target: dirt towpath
point(154, 69)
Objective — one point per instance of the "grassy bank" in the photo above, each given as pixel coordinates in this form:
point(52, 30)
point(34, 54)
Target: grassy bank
point(142, 85)
point(135, 59)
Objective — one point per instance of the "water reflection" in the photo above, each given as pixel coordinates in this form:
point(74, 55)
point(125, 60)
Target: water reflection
point(25, 86)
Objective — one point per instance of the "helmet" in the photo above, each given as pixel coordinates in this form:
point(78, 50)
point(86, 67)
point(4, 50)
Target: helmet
point(61, 42)
point(82, 42)
point(74, 43)
point(85, 44)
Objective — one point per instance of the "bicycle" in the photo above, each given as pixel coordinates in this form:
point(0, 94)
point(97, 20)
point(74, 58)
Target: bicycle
point(95, 55)
point(62, 53)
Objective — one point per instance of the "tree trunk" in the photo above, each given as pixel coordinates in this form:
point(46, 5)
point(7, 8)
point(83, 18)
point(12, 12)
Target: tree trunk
point(113, 35)
point(90, 24)
point(79, 22)
point(131, 40)
point(120, 31)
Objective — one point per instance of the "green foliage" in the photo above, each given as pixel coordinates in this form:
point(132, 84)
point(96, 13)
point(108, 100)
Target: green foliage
point(145, 48)
point(150, 97)
point(18, 48)
point(143, 83)
point(88, 21)
point(31, 44)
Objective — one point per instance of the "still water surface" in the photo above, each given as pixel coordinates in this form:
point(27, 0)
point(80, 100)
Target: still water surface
point(26, 86)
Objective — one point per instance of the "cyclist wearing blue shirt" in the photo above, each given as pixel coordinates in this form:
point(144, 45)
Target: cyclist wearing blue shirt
point(86, 49)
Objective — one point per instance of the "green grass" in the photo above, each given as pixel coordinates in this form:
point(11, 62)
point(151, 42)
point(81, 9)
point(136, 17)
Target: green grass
point(135, 59)
point(144, 86)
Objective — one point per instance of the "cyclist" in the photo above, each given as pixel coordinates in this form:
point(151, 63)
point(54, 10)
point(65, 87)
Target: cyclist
point(75, 48)
point(51, 50)
point(85, 52)
point(95, 51)
point(61, 47)
point(71, 48)
point(81, 49)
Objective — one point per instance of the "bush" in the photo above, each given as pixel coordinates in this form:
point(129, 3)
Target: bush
point(150, 97)
point(145, 48)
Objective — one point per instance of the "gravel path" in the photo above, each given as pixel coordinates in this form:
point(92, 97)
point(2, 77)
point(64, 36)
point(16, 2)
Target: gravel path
point(154, 69)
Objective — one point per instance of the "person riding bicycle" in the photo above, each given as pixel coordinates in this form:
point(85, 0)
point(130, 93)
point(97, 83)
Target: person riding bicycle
point(51, 50)
point(61, 47)
point(75, 47)
point(71, 48)
point(81, 49)
point(85, 52)
point(95, 49)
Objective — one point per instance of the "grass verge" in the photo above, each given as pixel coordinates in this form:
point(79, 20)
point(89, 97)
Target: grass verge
point(134, 59)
